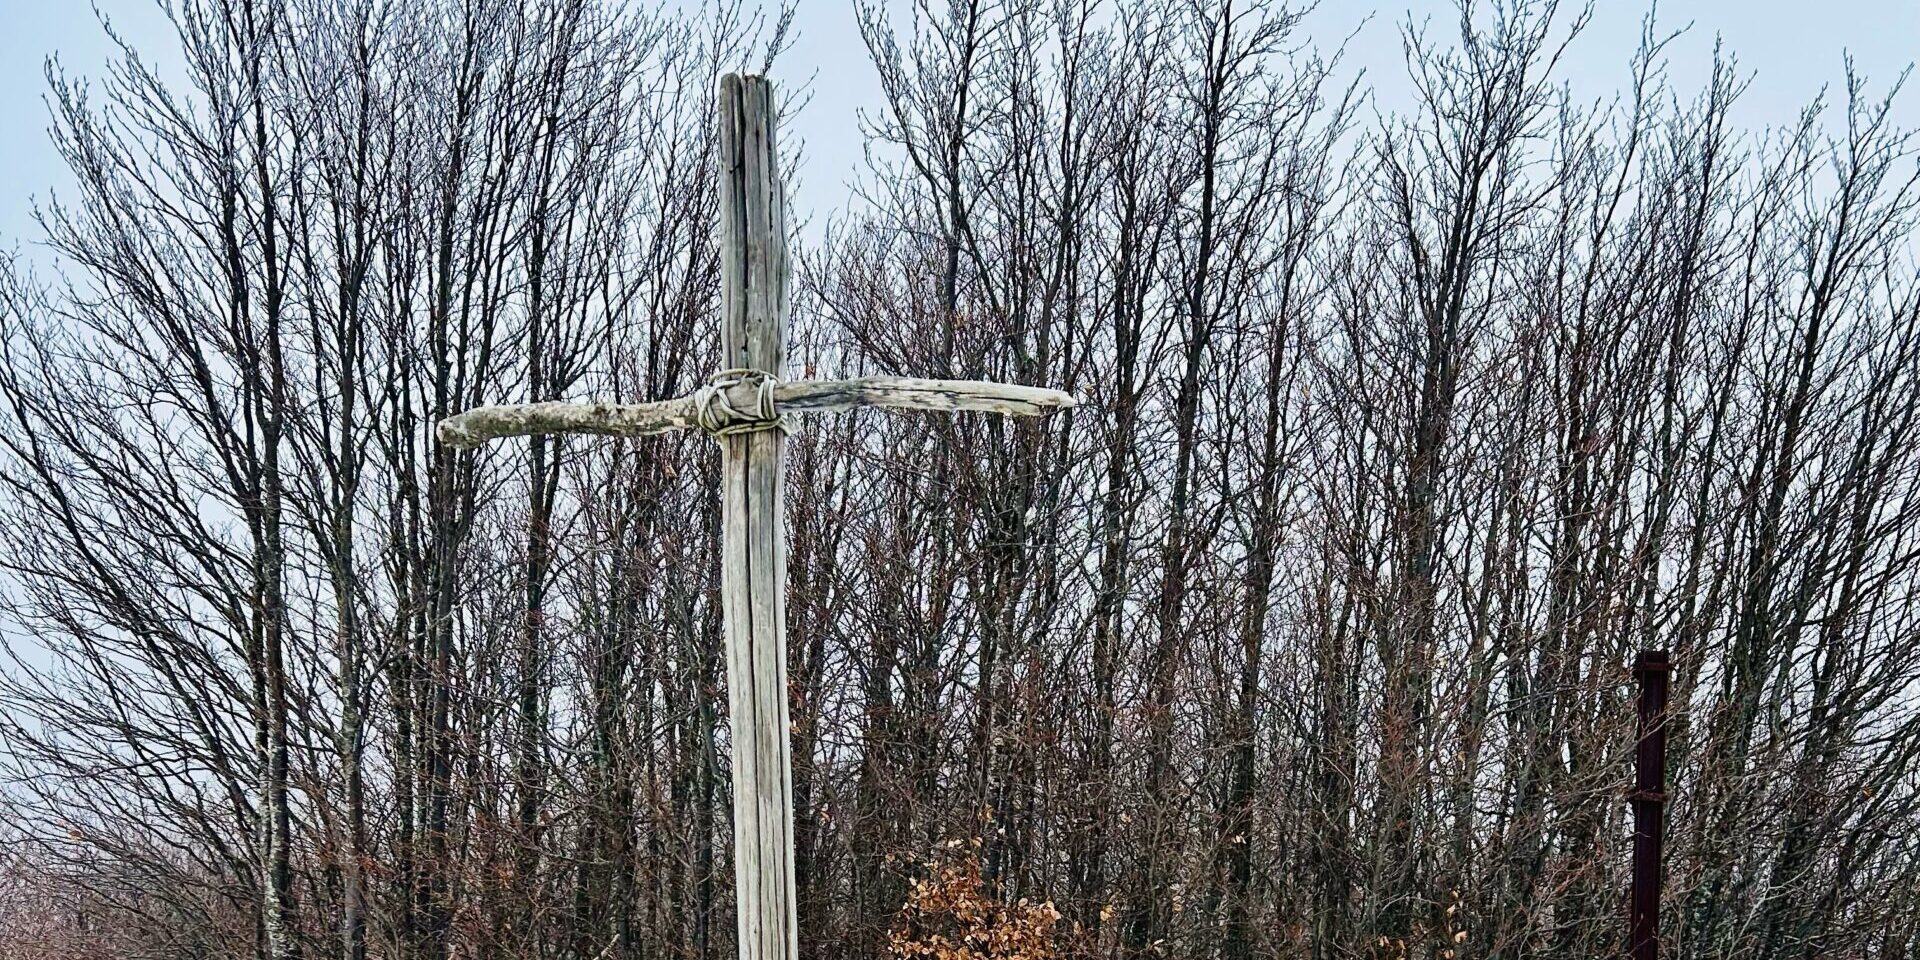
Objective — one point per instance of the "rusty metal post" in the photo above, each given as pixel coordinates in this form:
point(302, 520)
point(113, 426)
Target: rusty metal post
point(1649, 799)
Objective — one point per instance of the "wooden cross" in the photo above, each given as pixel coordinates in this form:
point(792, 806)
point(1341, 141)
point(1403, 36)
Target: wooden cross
point(744, 407)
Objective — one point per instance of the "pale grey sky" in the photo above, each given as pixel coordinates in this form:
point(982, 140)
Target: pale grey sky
point(1791, 47)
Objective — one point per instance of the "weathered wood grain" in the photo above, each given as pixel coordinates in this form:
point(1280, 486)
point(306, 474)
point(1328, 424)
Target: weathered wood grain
point(481, 424)
point(910, 393)
point(753, 255)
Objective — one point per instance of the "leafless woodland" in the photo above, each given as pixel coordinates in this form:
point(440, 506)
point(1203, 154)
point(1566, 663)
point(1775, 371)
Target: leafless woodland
point(1306, 636)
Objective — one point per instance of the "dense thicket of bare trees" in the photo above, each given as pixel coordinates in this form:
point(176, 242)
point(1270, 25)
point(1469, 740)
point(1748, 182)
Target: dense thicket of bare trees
point(1306, 637)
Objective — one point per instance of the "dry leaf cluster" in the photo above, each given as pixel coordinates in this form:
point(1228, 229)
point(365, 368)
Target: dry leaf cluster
point(953, 913)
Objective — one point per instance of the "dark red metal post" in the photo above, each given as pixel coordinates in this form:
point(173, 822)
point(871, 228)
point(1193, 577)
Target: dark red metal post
point(1649, 798)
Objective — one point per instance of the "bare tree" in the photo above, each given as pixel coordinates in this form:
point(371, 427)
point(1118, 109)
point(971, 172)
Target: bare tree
point(1306, 637)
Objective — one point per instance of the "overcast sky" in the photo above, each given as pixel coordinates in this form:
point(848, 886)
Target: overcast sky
point(1792, 49)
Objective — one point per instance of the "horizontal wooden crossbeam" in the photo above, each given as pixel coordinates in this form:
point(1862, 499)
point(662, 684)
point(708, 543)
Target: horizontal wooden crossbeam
point(482, 424)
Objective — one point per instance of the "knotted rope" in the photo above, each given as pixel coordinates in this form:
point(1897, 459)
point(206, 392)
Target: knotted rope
point(713, 409)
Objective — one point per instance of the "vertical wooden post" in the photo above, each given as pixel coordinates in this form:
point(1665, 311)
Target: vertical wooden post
point(753, 269)
point(1649, 797)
